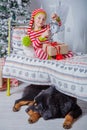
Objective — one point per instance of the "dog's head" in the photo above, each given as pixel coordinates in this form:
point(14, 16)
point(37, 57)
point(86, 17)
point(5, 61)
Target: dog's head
point(44, 104)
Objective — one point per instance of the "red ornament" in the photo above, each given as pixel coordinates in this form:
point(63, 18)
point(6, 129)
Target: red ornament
point(59, 57)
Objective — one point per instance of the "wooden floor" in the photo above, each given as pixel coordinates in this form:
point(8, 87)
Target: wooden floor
point(10, 120)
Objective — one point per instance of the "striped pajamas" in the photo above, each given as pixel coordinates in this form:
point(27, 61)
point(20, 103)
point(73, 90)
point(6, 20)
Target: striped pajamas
point(37, 44)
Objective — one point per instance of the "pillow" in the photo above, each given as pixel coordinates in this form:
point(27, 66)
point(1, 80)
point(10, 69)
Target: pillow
point(17, 34)
point(29, 51)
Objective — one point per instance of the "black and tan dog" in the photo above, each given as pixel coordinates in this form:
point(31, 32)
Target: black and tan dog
point(49, 103)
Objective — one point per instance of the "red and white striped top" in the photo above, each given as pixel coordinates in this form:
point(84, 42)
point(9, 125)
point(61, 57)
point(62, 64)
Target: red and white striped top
point(34, 36)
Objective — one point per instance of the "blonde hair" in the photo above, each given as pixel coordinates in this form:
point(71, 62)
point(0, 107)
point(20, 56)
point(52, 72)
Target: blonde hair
point(41, 13)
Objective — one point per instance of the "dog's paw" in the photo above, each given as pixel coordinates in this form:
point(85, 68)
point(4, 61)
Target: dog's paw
point(31, 121)
point(16, 109)
point(67, 125)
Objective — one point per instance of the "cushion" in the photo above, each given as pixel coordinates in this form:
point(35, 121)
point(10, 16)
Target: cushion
point(17, 35)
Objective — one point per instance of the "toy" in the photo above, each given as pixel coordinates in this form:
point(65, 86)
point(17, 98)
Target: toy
point(26, 41)
point(55, 28)
point(59, 57)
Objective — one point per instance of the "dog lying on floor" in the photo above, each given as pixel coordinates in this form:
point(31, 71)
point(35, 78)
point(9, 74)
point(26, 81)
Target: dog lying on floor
point(49, 103)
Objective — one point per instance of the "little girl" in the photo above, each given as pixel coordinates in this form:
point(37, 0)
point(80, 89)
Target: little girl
point(39, 32)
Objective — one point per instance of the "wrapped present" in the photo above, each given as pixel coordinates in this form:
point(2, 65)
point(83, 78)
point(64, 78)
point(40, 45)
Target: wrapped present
point(13, 83)
point(55, 48)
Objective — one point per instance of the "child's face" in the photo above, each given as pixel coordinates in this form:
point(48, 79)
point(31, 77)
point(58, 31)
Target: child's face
point(39, 20)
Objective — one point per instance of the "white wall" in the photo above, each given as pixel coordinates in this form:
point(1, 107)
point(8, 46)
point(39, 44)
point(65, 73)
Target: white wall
point(76, 24)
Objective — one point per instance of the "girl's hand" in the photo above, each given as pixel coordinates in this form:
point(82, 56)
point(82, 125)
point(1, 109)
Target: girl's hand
point(54, 16)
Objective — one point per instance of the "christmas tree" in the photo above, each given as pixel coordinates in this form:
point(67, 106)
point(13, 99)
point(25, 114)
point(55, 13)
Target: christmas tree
point(18, 12)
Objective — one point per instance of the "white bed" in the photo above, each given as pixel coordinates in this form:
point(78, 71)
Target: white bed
point(69, 76)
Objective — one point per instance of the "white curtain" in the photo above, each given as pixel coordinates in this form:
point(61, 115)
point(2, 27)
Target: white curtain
point(79, 35)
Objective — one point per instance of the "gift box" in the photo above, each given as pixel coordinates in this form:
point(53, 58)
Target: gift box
point(13, 82)
point(55, 48)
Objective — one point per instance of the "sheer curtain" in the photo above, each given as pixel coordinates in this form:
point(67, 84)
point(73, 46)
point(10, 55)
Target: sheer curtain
point(79, 35)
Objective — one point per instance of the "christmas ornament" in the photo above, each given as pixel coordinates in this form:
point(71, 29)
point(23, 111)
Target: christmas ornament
point(59, 57)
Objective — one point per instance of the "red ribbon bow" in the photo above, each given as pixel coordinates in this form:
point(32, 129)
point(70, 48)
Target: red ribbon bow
point(54, 43)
